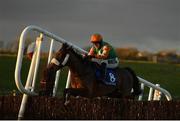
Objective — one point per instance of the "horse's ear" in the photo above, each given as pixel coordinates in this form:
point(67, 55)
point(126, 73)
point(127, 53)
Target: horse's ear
point(65, 45)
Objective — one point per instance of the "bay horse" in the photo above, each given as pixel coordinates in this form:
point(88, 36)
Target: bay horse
point(83, 79)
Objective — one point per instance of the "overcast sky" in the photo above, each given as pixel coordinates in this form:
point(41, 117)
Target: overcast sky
point(145, 24)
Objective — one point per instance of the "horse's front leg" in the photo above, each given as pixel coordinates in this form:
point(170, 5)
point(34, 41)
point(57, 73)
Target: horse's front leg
point(47, 83)
point(66, 95)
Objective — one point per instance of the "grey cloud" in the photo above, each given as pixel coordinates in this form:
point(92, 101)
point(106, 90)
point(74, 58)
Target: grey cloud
point(117, 20)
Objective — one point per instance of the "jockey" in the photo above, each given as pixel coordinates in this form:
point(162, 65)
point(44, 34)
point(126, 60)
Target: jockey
point(30, 50)
point(103, 53)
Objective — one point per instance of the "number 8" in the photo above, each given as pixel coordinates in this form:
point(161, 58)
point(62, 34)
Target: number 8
point(112, 78)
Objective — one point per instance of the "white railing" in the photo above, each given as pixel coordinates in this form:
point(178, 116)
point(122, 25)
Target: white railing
point(155, 87)
point(31, 79)
point(21, 51)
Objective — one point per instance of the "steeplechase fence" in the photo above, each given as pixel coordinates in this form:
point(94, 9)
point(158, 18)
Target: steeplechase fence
point(83, 108)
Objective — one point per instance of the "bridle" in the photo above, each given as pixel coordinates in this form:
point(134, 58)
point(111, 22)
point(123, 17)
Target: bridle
point(63, 59)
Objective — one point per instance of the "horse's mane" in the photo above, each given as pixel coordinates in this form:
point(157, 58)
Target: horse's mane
point(75, 52)
point(86, 61)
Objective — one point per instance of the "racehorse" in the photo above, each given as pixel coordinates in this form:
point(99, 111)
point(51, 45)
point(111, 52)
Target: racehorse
point(83, 78)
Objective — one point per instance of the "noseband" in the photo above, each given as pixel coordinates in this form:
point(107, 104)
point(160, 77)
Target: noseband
point(65, 60)
point(56, 62)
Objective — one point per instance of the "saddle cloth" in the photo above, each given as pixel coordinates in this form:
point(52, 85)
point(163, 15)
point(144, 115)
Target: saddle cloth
point(110, 77)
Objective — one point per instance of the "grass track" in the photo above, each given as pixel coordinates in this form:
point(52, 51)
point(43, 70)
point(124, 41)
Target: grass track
point(167, 75)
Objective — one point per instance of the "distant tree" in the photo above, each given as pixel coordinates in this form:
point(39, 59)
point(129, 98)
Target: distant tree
point(127, 53)
point(1, 44)
point(168, 56)
point(164, 53)
point(12, 46)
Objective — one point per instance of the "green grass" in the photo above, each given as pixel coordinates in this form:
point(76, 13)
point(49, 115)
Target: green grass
point(167, 75)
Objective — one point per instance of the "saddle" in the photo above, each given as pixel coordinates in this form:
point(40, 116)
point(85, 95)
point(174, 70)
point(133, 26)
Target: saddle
point(107, 76)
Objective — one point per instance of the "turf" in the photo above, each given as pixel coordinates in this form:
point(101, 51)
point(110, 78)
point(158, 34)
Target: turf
point(167, 75)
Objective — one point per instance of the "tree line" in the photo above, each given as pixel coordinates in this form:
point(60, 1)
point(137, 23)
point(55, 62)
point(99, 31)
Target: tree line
point(125, 53)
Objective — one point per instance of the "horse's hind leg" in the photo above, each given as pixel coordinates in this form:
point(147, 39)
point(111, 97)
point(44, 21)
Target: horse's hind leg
point(73, 92)
point(115, 94)
point(136, 85)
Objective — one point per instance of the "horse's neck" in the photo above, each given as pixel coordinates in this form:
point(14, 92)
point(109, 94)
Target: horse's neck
point(78, 65)
point(82, 73)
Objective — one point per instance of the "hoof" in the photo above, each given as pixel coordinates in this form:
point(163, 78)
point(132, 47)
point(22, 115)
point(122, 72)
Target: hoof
point(98, 98)
point(77, 97)
point(67, 102)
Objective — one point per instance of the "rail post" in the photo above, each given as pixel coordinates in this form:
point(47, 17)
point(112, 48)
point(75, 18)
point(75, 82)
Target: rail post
point(149, 84)
point(30, 85)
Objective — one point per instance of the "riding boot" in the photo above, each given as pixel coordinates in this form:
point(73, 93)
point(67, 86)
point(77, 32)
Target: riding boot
point(103, 71)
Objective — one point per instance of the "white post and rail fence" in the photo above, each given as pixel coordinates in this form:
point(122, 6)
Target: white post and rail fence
point(29, 90)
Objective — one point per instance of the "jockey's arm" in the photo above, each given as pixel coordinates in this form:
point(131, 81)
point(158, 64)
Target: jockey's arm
point(105, 53)
point(91, 52)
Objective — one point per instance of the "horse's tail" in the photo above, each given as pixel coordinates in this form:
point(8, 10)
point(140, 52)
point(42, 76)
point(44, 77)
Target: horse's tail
point(136, 86)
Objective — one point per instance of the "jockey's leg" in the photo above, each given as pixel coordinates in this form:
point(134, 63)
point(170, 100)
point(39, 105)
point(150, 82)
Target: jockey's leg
point(103, 71)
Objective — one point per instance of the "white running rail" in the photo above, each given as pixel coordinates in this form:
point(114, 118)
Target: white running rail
point(30, 83)
point(21, 51)
point(31, 79)
point(155, 87)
